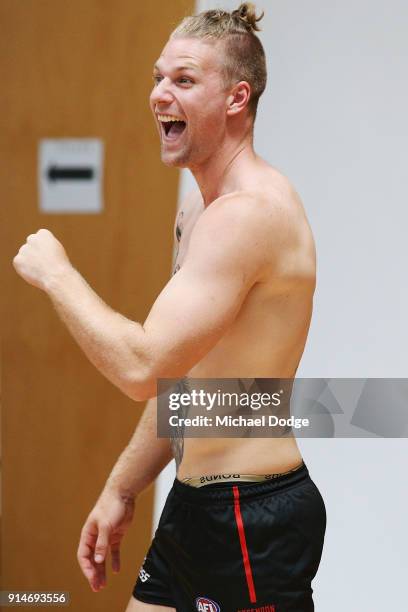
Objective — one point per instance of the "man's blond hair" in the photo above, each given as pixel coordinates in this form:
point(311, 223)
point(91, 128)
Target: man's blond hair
point(243, 57)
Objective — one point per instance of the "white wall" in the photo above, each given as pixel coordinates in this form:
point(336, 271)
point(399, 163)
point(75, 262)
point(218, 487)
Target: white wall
point(334, 120)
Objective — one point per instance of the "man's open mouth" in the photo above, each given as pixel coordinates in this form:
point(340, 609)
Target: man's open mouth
point(172, 126)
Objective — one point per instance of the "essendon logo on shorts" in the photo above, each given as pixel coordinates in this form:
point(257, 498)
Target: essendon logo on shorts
point(268, 608)
point(206, 605)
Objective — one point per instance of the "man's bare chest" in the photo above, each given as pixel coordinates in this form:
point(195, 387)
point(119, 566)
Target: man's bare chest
point(184, 226)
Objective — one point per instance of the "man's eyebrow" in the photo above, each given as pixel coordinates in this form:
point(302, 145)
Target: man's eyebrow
point(186, 66)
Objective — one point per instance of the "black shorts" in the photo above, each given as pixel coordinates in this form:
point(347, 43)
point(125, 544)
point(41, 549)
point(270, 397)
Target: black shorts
point(237, 547)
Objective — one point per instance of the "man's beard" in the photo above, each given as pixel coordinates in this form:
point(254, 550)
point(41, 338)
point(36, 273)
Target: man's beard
point(177, 158)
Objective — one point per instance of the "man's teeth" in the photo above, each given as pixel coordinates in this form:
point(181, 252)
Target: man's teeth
point(166, 118)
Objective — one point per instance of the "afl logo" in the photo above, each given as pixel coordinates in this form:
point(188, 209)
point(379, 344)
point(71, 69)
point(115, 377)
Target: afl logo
point(206, 605)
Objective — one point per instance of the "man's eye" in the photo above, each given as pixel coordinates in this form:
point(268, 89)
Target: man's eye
point(185, 80)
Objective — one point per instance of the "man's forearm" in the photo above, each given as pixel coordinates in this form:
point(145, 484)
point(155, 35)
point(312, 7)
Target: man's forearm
point(113, 343)
point(143, 458)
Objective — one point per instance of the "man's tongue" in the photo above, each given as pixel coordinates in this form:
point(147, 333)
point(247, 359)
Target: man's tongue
point(176, 127)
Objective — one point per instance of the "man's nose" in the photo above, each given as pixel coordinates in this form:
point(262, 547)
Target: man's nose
point(161, 93)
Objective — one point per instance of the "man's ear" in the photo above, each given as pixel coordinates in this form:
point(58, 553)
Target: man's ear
point(238, 98)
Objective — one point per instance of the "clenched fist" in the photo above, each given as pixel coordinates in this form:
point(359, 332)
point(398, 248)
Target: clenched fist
point(41, 258)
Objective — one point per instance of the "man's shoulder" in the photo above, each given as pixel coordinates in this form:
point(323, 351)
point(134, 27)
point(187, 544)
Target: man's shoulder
point(254, 209)
point(238, 226)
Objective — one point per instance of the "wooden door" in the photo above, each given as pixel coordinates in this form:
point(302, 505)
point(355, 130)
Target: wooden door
point(76, 69)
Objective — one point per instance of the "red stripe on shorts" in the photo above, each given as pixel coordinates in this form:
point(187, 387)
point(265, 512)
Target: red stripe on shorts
point(244, 549)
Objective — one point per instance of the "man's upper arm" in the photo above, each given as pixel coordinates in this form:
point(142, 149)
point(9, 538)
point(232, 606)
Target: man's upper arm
point(199, 303)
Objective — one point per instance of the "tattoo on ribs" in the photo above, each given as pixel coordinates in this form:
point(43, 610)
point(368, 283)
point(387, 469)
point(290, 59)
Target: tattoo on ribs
point(177, 439)
point(179, 230)
point(179, 225)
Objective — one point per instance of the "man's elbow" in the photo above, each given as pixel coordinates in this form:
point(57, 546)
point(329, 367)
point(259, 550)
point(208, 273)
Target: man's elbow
point(140, 387)
point(139, 381)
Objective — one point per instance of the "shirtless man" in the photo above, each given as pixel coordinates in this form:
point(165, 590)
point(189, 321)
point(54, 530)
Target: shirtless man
point(239, 304)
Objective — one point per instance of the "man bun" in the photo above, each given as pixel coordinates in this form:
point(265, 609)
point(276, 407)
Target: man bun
point(242, 56)
point(246, 13)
